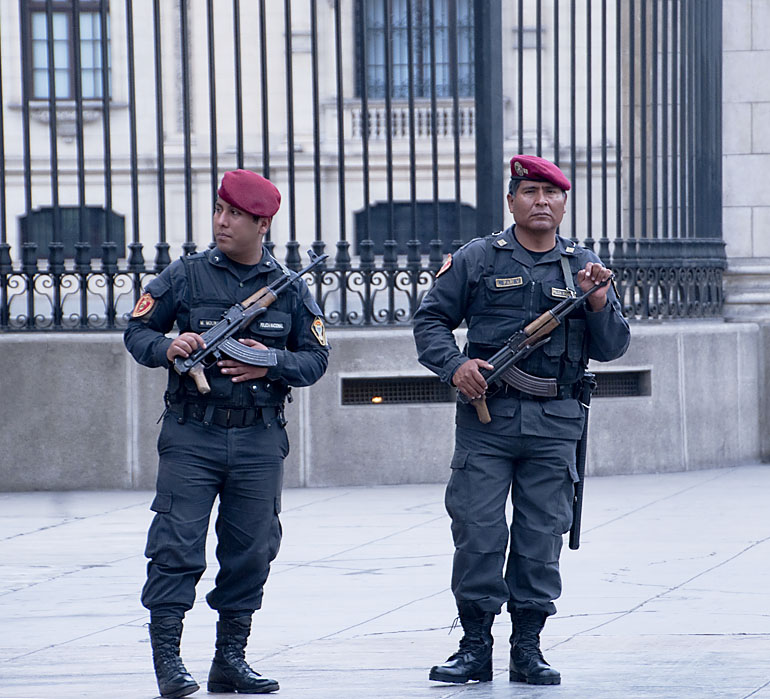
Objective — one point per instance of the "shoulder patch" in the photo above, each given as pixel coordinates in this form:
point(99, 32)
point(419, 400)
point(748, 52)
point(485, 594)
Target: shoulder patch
point(318, 329)
point(447, 264)
point(144, 305)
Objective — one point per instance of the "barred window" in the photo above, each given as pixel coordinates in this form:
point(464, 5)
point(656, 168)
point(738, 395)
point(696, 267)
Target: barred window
point(69, 31)
point(374, 26)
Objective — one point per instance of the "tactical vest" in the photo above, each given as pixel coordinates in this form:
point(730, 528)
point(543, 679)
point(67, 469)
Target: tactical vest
point(207, 301)
point(507, 298)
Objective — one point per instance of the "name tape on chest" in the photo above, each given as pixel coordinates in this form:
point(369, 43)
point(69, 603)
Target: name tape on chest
point(206, 323)
point(270, 325)
point(561, 293)
point(508, 282)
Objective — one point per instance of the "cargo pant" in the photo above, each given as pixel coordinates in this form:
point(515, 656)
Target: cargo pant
point(489, 462)
point(244, 467)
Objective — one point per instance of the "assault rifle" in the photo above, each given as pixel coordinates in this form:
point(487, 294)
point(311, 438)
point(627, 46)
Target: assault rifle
point(219, 340)
point(520, 345)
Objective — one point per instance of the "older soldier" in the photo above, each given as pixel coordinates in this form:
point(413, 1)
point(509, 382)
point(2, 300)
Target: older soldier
point(230, 442)
point(497, 285)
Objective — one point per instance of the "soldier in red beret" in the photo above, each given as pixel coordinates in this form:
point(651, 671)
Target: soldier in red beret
point(498, 285)
point(229, 443)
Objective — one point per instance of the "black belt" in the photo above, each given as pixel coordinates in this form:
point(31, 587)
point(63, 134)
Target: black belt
point(223, 416)
point(565, 392)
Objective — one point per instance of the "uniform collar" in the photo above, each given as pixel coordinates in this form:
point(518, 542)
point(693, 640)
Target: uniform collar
point(266, 264)
point(507, 240)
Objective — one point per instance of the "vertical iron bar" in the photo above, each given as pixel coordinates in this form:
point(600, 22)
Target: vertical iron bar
point(106, 114)
point(26, 56)
point(556, 145)
point(572, 114)
point(342, 258)
point(316, 119)
point(604, 241)
point(263, 85)
point(520, 86)
point(691, 95)
point(412, 129)
point(387, 39)
point(618, 252)
point(162, 258)
point(292, 253)
point(6, 266)
point(79, 146)
point(213, 151)
point(683, 89)
point(664, 124)
point(455, 88)
point(643, 162)
point(631, 123)
point(488, 76)
point(539, 74)
point(589, 239)
point(52, 124)
point(188, 246)
point(655, 117)
point(132, 121)
point(675, 119)
point(364, 121)
point(237, 77)
point(434, 119)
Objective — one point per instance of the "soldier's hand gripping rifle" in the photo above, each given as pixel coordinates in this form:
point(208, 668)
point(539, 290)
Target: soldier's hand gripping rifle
point(219, 340)
point(520, 345)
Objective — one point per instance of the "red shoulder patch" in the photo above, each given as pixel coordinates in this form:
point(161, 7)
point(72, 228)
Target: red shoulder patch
point(143, 306)
point(447, 264)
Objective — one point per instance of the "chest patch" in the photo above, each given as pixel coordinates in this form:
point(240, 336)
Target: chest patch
point(560, 293)
point(271, 325)
point(206, 323)
point(508, 282)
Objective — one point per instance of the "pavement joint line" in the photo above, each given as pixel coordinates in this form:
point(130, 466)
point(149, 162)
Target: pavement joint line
point(662, 594)
point(71, 520)
point(352, 626)
point(758, 689)
point(72, 640)
point(657, 501)
point(361, 545)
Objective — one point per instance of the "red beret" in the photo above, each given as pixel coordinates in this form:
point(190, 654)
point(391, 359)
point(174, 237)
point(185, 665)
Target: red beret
point(530, 167)
point(250, 192)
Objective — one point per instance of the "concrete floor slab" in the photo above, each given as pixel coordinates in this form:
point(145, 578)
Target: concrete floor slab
point(667, 596)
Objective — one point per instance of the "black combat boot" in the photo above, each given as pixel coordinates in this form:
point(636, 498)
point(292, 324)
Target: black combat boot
point(173, 678)
point(527, 662)
point(473, 660)
point(229, 670)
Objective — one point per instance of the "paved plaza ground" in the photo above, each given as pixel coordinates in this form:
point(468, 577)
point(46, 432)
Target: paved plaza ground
point(668, 596)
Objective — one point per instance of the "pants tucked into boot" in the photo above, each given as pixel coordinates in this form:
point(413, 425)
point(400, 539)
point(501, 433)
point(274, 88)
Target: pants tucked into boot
point(229, 670)
point(173, 678)
point(473, 659)
point(527, 662)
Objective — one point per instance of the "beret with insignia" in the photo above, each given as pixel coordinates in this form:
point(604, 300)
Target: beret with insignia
point(531, 167)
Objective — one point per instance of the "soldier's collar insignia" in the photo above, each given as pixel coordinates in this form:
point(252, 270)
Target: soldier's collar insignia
point(502, 242)
point(570, 249)
point(143, 306)
point(319, 330)
point(520, 169)
point(447, 264)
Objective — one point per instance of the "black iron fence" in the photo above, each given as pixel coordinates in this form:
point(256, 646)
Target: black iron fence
point(386, 124)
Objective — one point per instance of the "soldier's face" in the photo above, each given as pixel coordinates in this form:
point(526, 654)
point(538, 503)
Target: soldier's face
point(236, 232)
point(538, 206)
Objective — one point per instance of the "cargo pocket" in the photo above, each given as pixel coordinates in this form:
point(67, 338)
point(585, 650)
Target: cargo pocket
point(162, 503)
point(456, 497)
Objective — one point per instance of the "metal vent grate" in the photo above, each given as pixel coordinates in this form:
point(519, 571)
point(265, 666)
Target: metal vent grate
point(407, 389)
point(623, 384)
